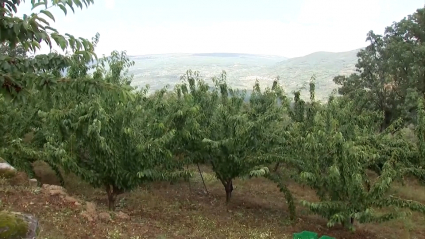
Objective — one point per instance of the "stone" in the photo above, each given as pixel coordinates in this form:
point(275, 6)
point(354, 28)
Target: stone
point(56, 192)
point(70, 199)
point(18, 225)
point(104, 216)
point(7, 171)
point(122, 216)
point(53, 190)
point(91, 207)
point(48, 187)
point(87, 216)
point(90, 212)
point(33, 182)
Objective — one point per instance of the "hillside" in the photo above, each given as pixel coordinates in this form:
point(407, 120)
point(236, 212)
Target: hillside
point(296, 72)
point(160, 70)
point(243, 69)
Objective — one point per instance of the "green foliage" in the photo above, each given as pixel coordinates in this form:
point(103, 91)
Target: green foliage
point(29, 84)
point(19, 50)
point(390, 71)
point(31, 30)
point(114, 136)
point(337, 152)
point(191, 115)
point(240, 134)
point(110, 141)
point(16, 123)
point(20, 74)
point(285, 190)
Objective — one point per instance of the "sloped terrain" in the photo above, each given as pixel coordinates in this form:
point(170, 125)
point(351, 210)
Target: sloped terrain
point(324, 66)
point(182, 210)
point(243, 69)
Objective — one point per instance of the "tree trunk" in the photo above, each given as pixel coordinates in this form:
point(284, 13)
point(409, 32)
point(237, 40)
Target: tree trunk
point(228, 186)
point(2, 6)
point(111, 202)
point(387, 119)
point(276, 167)
point(112, 192)
point(349, 223)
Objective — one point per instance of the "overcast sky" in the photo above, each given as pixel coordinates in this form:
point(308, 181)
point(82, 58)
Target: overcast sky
point(287, 28)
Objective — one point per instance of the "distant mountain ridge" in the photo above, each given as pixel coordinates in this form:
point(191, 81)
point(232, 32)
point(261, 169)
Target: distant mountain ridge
point(236, 55)
point(323, 66)
point(206, 54)
point(159, 70)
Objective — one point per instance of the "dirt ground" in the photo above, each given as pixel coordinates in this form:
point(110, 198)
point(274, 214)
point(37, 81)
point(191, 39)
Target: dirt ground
point(183, 210)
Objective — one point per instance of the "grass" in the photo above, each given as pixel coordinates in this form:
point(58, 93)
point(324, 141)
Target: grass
point(160, 210)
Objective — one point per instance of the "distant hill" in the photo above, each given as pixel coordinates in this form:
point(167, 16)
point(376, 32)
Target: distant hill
point(160, 70)
point(237, 55)
point(297, 72)
point(243, 69)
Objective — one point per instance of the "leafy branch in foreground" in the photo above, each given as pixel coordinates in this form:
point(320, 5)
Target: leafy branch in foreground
point(19, 73)
point(30, 30)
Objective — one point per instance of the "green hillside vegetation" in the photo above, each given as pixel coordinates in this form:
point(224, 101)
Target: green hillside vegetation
point(243, 70)
point(296, 73)
point(203, 159)
point(158, 71)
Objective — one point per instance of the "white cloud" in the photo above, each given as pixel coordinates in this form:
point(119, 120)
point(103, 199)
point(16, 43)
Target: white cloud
point(325, 25)
point(110, 4)
point(261, 37)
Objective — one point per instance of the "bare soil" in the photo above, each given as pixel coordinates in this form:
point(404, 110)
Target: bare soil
point(183, 210)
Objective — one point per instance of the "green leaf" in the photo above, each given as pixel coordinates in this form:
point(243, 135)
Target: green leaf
point(49, 14)
point(63, 8)
point(37, 4)
point(52, 29)
point(16, 28)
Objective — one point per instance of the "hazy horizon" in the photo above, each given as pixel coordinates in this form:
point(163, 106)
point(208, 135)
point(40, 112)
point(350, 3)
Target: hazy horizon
point(270, 27)
point(241, 53)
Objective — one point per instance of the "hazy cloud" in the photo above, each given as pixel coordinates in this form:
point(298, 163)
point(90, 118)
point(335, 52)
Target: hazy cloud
point(110, 4)
point(325, 25)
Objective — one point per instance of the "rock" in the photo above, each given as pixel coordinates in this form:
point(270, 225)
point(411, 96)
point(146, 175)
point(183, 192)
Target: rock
point(53, 190)
point(48, 187)
point(56, 192)
point(6, 166)
point(90, 213)
point(33, 227)
point(33, 182)
point(70, 199)
point(91, 207)
point(122, 216)
point(7, 171)
point(18, 225)
point(104, 216)
point(87, 216)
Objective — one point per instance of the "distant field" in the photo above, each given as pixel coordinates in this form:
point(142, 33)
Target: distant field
point(243, 69)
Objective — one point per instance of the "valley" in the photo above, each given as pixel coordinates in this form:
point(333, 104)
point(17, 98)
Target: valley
point(242, 70)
